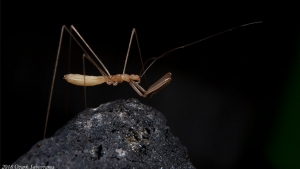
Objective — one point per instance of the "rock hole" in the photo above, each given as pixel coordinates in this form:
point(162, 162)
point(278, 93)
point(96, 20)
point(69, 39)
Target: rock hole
point(143, 150)
point(99, 151)
point(114, 130)
point(148, 130)
point(78, 140)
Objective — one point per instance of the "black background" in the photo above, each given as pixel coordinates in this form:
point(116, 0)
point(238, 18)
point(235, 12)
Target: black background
point(220, 104)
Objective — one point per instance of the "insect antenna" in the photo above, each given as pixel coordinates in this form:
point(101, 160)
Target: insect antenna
point(181, 47)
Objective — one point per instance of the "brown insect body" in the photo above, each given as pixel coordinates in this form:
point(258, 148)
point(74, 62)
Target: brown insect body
point(119, 78)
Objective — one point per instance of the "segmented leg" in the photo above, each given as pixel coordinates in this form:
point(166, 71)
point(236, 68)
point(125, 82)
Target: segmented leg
point(158, 85)
point(104, 73)
point(134, 33)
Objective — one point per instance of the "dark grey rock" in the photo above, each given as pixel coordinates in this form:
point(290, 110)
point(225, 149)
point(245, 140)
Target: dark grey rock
point(119, 134)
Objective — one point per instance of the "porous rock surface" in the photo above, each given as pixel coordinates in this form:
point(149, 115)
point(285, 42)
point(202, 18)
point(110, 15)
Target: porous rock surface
point(119, 134)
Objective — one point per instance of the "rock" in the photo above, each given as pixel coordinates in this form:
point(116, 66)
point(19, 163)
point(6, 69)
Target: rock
point(119, 134)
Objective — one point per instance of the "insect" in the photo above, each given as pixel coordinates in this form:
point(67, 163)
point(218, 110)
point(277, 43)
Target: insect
point(133, 80)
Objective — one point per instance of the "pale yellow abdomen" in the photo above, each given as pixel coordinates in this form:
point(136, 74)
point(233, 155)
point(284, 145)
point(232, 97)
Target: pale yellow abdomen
point(79, 80)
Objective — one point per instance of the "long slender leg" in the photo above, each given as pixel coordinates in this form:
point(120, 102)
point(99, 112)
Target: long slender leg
point(158, 85)
point(134, 86)
point(162, 82)
point(134, 33)
point(90, 49)
point(159, 89)
point(84, 86)
point(68, 84)
point(69, 68)
point(53, 80)
point(143, 65)
point(64, 28)
point(128, 50)
point(166, 76)
point(139, 87)
point(85, 51)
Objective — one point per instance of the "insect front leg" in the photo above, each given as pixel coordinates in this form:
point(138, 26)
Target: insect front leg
point(154, 88)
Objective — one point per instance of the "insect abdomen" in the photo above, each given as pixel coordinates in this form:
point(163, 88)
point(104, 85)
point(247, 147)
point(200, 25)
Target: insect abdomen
point(81, 80)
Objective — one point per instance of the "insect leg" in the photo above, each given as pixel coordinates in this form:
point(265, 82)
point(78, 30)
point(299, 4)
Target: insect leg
point(105, 74)
point(154, 88)
point(53, 80)
point(134, 86)
point(84, 87)
point(158, 85)
point(134, 33)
